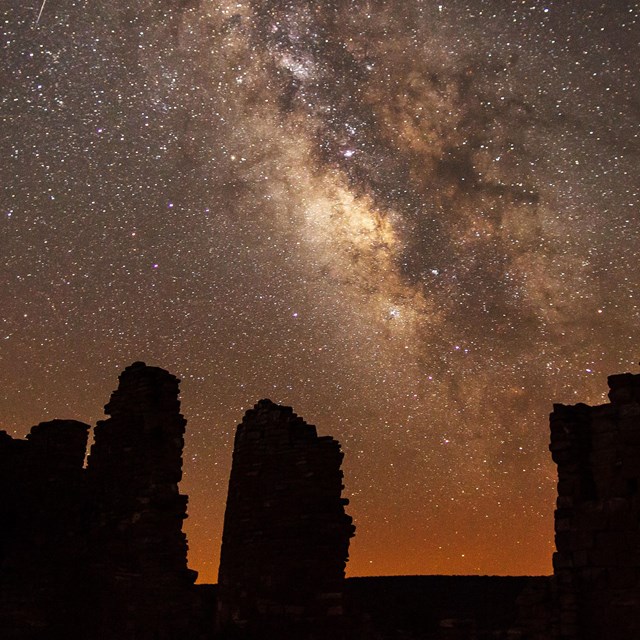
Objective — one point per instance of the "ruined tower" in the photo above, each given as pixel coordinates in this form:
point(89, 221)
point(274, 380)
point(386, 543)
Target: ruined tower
point(597, 520)
point(142, 586)
point(286, 535)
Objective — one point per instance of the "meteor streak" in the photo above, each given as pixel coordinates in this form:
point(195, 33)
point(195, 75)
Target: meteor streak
point(41, 10)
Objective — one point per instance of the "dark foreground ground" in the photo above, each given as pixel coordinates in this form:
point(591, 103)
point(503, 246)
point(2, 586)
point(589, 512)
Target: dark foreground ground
point(430, 607)
point(438, 606)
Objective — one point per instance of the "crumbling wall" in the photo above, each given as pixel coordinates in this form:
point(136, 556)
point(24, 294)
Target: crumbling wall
point(286, 535)
point(99, 552)
point(142, 586)
point(43, 550)
point(597, 520)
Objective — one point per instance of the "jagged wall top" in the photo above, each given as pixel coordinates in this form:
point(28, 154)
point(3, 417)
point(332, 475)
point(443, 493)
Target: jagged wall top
point(624, 388)
point(274, 424)
point(143, 389)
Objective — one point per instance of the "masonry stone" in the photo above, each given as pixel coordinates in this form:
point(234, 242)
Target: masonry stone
point(286, 534)
point(597, 518)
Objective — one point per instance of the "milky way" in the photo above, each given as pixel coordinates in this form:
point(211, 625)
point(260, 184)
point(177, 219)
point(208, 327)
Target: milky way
point(415, 222)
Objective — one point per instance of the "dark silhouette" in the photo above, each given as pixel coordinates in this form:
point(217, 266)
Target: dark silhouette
point(138, 561)
point(98, 553)
point(43, 543)
point(439, 607)
point(286, 535)
point(597, 521)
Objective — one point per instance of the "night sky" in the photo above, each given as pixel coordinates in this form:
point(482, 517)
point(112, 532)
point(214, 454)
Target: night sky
point(416, 222)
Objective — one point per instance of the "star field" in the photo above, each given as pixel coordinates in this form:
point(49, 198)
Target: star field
point(415, 222)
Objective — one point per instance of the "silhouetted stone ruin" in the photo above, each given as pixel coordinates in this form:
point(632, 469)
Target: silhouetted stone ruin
point(286, 535)
point(138, 549)
point(597, 521)
point(43, 546)
point(98, 553)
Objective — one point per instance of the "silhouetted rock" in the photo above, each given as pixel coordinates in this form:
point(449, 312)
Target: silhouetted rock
point(437, 607)
point(99, 553)
point(286, 535)
point(142, 586)
point(536, 610)
point(43, 550)
point(597, 520)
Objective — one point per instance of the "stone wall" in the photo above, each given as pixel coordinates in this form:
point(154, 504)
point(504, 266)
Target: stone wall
point(597, 520)
point(99, 552)
point(138, 550)
point(43, 550)
point(286, 535)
